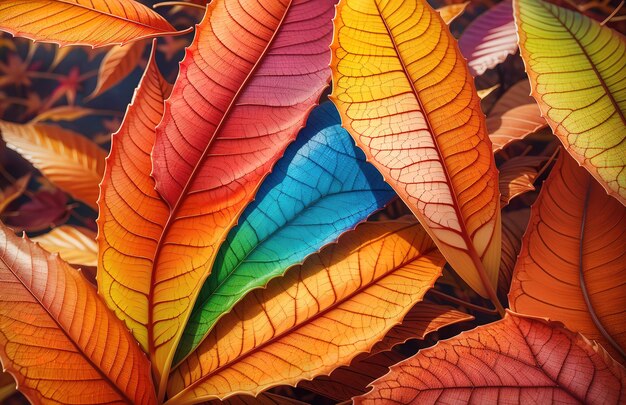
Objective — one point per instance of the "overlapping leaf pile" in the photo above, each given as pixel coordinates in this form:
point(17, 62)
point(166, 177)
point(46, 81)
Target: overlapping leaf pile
point(257, 243)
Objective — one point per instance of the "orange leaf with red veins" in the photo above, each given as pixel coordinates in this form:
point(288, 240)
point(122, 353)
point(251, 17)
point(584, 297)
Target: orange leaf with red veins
point(408, 99)
point(241, 97)
point(317, 317)
point(58, 339)
point(571, 267)
point(82, 22)
point(118, 63)
point(515, 115)
point(514, 360)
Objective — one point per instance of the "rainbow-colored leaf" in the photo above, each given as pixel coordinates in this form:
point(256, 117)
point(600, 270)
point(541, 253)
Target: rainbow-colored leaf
point(240, 98)
point(321, 188)
point(576, 69)
point(515, 360)
point(407, 98)
point(317, 317)
point(81, 22)
point(489, 39)
point(571, 267)
point(58, 339)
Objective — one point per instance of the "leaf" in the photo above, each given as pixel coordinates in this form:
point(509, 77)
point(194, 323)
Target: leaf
point(66, 113)
point(514, 225)
point(489, 39)
point(349, 381)
point(411, 105)
point(422, 319)
point(518, 175)
point(239, 100)
point(118, 63)
point(451, 11)
point(264, 398)
point(514, 360)
point(12, 191)
point(69, 160)
point(75, 245)
point(44, 210)
point(317, 317)
point(574, 66)
point(484, 93)
point(514, 116)
point(79, 22)
point(321, 188)
point(58, 339)
point(571, 267)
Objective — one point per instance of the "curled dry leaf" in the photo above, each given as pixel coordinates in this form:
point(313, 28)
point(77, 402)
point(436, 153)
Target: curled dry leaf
point(515, 115)
point(82, 22)
point(579, 84)
point(358, 288)
point(514, 360)
point(240, 99)
point(69, 160)
point(571, 267)
point(118, 63)
point(75, 245)
point(517, 176)
point(411, 105)
point(58, 339)
point(489, 39)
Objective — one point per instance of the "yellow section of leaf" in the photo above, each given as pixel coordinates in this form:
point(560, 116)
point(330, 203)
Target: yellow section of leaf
point(75, 245)
point(317, 317)
point(69, 160)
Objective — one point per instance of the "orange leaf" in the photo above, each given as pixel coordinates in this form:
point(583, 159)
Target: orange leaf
point(118, 63)
point(58, 339)
point(317, 317)
point(451, 11)
point(69, 160)
point(11, 192)
point(410, 103)
point(571, 267)
point(75, 245)
point(514, 225)
point(514, 116)
point(79, 22)
point(517, 176)
point(264, 398)
point(514, 360)
point(240, 98)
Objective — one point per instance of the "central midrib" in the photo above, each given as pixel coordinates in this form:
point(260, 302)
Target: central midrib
point(176, 206)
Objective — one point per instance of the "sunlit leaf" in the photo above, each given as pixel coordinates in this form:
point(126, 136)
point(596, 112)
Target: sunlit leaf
point(489, 39)
point(517, 176)
point(451, 11)
point(515, 115)
point(317, 317)
point(69, 160)
point(409, 101)
point(240, 99)
point(81, 22)
point(515, 360)
point(58, 338)
point(13, 191)
point(571, 268)
point(576, 66)
point(118, 63)
point(321, 188)
point(75, 245)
